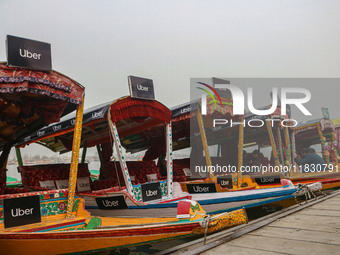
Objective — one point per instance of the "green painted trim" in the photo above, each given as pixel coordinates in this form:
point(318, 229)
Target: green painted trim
point(19, 158)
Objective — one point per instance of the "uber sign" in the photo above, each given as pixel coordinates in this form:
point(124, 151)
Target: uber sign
point(116, 202)
point(141, 88)
point(225, 181)
point(268, 179)
point(151, 191)
point(21, 211)
point(28, 53)
point(201, 188)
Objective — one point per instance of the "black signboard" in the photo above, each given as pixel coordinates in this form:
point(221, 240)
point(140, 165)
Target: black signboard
point(201, 188)
point(225, 181)
point(178, 111)
point(184, 109)
point(151, 191)
point(28, 53)
point(109, 203)
point(21, 211)
point(141, 88)
point(268, 179)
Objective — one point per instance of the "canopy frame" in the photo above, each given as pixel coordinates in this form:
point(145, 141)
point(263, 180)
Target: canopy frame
point(122, 161)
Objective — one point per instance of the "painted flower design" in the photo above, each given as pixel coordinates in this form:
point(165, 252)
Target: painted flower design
point(44, 211)
point(61, 206)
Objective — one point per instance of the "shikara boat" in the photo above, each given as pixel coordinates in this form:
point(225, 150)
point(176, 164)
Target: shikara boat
point(82, 233)
point(141, 125)
point(279, 139)
point(135, 125)
point(229, 143)
point(35, 219)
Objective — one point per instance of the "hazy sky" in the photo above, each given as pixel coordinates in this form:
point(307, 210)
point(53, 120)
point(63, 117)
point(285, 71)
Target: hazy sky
point(99, 43)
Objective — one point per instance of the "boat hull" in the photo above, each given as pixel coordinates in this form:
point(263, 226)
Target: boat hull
point(109, 237)
point(212, 203)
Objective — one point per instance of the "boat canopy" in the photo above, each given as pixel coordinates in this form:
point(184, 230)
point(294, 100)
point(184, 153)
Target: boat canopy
point(310, 132)
point(182, 114)
point(231, 137)
point(326, 125)
point(181, 125)
point(127, 107)
point(183, 111)
point(58, 136)
point(31, 99)
point(131, 116)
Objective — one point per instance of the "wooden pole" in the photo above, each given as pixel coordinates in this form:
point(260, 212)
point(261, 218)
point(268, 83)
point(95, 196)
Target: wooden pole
point(240, 154)
point(287, 140)
point(204, 142)
point(4, 154)
point(83, 155)
point(293, 152)
point(322, 144)
point(122, 161)
point(272, 142)
point(169, 164)
point(100, 155)
point(334, 148)
point(75, 158)
point(280, 145)
point(19, 158)
point(320, 136)
point(5, 161)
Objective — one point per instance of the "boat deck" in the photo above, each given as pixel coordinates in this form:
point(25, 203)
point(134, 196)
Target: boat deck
point(311, 228)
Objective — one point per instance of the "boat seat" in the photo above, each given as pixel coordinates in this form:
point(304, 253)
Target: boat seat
point(139, 171)
point(33, 175)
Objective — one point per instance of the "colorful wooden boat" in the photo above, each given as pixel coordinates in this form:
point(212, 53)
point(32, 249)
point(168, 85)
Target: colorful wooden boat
point(212, 203)
point(83, 233)
point(133, 131)
point(141, 125)
point(280, 139)
point(57, 216)
point(236, 138)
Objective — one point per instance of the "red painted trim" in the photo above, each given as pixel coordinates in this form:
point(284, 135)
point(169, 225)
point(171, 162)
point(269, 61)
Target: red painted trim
point(323, 181)
point(152, 230)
